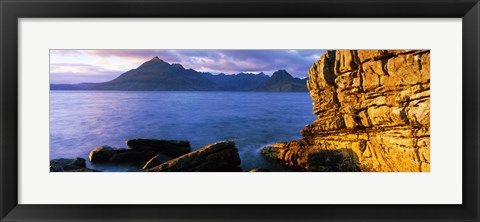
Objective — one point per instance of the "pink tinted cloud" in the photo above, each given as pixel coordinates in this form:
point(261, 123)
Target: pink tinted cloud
point(226, 61)
point(135, 54)
point(66, 52)
point(296, 62)
point(78, 73)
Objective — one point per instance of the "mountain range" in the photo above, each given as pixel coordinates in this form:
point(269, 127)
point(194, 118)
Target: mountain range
point(158, 75)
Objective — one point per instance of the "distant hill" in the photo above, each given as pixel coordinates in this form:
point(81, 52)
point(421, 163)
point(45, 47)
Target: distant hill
point(238, 82)
point(282, 81)
point(158, 75)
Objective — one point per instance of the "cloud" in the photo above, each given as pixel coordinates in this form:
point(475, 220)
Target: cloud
point(135, 55)
point(78, 73)
point(296, 62)
point(63, 52)
point(227, 61)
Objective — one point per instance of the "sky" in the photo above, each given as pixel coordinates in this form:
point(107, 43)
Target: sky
point(78, 66)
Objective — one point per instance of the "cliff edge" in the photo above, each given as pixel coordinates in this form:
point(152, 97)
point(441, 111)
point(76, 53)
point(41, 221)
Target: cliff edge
point(373, 110)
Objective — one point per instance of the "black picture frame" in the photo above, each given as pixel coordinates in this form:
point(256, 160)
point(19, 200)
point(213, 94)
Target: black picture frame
point(12, 10)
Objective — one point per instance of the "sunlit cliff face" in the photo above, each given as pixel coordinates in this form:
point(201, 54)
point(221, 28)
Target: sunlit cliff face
point(372, 106)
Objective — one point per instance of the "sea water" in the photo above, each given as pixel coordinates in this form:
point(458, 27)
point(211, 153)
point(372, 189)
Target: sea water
point(83, 120)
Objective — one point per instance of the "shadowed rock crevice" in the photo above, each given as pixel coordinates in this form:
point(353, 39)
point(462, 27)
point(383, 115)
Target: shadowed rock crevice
point(340, 160)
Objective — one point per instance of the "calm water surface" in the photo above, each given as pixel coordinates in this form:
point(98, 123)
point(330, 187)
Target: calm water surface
point(82, 120)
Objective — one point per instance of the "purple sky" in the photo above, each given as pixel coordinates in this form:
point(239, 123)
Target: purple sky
point(76, 66)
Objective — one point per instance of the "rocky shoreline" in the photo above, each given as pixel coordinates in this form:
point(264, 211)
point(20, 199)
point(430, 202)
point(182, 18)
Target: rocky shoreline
point(373, 114)
point(155, 155)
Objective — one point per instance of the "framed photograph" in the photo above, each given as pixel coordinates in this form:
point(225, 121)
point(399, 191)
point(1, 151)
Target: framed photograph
point(225, 110)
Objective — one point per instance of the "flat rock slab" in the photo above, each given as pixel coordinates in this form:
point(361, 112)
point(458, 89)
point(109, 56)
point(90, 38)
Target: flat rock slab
point(62, 164)
point(171, 148)
point(216, 157)
point(69, 165)
point(107, 154)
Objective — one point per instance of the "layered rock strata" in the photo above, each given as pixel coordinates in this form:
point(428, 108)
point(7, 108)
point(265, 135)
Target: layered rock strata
point(373, 110)
point(107, 154)
point(171, 148)
point(215, 157)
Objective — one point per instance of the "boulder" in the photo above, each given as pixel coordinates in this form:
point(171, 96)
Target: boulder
point(156, 160)
point(101, 154)
point(105, 154)
point(216, 157)
point(132, 156)
point(171, 148)
point(62, 164)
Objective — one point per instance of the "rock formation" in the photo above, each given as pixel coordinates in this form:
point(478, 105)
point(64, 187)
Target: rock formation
point(139, 151)
point(171, 148)
point(216, 157)
point(69, 165)
point(156, 156)
point(373, 110)
point(107, 154)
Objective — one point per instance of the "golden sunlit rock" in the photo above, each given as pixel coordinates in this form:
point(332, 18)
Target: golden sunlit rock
point(373, 109)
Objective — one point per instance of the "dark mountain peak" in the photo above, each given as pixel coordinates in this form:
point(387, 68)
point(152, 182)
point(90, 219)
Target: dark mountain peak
point(156, 59)
point(281, 72)
point(178, 66)
point(158, 75)
point(282, 81)
point(281, 75)
point(249, 74)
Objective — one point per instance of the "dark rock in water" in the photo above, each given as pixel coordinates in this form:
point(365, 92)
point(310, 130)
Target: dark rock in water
point(156, 160)
point(60, 165)
point(259, 170)
point(132, 156)
point(101, 154)
point(171, 148)
point(216, 157)
point(104, 154)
